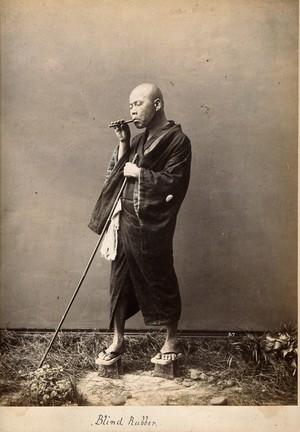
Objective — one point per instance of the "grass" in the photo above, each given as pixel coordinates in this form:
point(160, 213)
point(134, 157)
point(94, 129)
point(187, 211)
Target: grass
point(262, 365)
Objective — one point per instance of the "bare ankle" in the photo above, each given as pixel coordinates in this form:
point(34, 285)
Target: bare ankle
point(118, 340)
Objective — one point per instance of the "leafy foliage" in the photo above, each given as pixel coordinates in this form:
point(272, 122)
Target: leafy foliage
point(47, 386)
point(283, 345)
point(269, 349)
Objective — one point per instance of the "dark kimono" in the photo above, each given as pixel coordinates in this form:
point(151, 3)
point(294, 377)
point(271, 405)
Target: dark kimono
point(143, 276)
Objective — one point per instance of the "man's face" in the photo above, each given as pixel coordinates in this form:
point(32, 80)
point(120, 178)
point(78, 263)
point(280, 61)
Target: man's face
point(142, 107)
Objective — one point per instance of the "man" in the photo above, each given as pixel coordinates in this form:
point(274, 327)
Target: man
point(142, 274)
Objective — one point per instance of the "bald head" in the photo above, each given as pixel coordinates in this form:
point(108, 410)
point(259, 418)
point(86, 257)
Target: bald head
point(148, 90)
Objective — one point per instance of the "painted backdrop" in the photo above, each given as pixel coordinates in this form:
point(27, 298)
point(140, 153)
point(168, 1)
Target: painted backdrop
point(228, 71)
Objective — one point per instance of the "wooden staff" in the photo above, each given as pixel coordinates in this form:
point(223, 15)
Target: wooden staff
point(87, 266)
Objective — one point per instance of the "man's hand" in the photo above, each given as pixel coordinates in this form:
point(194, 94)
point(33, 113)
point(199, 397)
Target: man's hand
point(131, 170)
point(122, 131)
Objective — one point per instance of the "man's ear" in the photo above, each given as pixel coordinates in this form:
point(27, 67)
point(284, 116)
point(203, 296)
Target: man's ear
point(157, 104)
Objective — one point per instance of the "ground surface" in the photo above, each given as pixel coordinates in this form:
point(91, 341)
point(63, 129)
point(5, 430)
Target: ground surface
point(144, 389)
point(245, 370)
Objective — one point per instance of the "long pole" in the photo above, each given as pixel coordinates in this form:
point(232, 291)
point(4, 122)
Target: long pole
point(86, 269)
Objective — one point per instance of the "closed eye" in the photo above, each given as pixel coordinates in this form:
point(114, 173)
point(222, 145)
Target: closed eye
point(136, 103)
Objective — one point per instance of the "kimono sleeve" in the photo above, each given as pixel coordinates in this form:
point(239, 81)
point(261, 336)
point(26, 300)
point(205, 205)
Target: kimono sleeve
point(112, 163)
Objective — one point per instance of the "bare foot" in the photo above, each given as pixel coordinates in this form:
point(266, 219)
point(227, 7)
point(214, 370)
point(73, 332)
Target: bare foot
point(170, 349)
point(114, 347)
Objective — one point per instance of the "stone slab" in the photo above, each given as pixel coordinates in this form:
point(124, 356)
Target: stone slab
point(145, 390)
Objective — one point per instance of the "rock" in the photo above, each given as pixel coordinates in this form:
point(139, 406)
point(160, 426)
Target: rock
point(118, 400)
point(196, 374)
point(229, 383)
point(187, 383)
point(45, 398)
point(147, 373)
point(179, 380)
point(238, 389)
point(219, 400)
point(127, 394)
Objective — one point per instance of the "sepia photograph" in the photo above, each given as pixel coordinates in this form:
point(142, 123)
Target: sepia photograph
point(149, 198)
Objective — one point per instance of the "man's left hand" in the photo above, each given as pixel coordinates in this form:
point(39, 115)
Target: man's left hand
point(131, 170)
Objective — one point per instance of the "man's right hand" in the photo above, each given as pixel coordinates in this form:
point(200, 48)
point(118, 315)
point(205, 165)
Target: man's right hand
point(122, 131)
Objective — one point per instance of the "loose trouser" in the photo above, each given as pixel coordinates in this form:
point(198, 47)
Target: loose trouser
point(142, 278)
